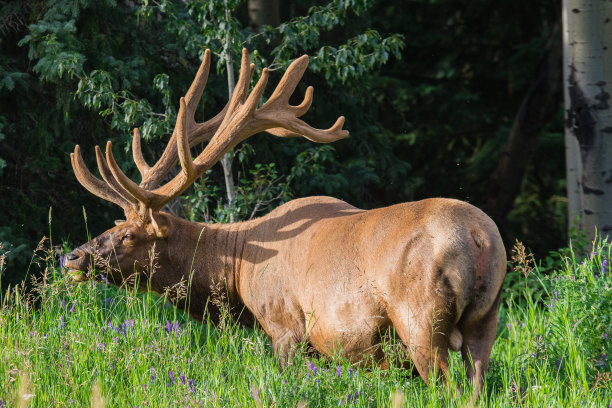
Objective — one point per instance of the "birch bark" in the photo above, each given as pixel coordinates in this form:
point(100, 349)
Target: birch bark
point(587, 57)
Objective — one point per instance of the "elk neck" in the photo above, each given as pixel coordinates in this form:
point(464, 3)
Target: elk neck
point(211, 252)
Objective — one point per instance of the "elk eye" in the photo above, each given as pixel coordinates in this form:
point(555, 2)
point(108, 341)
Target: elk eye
point(127, 237)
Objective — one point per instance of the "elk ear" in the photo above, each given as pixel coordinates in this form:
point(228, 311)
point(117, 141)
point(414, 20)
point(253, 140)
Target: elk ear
point(119, 222)
point(160, 231)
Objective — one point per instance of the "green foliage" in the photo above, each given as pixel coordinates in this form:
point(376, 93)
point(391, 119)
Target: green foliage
point(567, 329)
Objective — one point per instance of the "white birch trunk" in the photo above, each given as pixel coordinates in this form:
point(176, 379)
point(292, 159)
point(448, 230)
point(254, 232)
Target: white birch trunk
point(587, 60)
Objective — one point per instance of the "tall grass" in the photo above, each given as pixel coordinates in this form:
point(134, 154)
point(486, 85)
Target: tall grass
point(90, 344)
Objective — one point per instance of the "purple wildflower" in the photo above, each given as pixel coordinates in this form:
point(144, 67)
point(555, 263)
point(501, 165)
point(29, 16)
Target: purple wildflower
point(593, 254)
point(116, 340)
point(573, 277)
point(206, 217)
point(188, 360)
point(312, 368)
point(72, 307)
point(523, 324)
point(255, 393)
point(104, 279)
point(153, 374)
point(62, 324)
point(107, 301)
point(350, 373)
point(61, 260)
point(45, 336)
point(318, 382)
point(338, 371)
point(610, 406)
point(191, 385)
point(172, 377)
point(63, 303)
point(603, 266)
point(596, 276)
point(168, 326)
point(182, 377)
point(555, 293)
point(509, 325)
point(606, 336)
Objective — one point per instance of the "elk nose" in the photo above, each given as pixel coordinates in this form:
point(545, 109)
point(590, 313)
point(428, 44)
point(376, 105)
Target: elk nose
point(74, 255)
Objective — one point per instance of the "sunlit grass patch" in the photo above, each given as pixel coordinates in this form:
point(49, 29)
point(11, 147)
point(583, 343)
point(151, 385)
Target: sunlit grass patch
point(91, 344)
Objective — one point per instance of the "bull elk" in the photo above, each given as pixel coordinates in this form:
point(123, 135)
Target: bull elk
point(315, 269)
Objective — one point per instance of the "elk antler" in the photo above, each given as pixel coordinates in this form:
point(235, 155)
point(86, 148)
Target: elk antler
point(239, 120)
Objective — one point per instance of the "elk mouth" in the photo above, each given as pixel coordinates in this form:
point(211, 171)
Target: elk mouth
point(77, 275)
point(76, 263)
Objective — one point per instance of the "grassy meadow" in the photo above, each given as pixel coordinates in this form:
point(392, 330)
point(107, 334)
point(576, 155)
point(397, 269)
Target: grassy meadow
point(64, 344)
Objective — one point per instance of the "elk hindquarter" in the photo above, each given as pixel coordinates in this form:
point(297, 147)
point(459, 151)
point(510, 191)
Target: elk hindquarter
point(322, 270)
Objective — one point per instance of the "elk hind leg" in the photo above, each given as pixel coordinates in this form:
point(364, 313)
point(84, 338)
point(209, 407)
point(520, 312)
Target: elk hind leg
point(478, 338)
point(426, 334)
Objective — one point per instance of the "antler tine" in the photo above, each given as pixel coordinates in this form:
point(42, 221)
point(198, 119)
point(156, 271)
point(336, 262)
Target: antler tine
point(290, 80)
point(107, 175)
point(181, 138)
point(142, 165)
point(92, 183)
point(194, 94)
point(141, 195)
point(244, 79)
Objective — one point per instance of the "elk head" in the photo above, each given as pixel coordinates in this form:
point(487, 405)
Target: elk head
point(127, 248)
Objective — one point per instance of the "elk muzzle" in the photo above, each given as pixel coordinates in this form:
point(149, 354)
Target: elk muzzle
point(77, 263)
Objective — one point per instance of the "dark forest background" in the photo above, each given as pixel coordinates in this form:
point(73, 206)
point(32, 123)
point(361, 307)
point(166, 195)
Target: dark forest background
point(442, 98)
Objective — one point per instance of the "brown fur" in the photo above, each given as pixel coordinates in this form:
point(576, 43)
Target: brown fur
point(314, 270)
point(319, 270)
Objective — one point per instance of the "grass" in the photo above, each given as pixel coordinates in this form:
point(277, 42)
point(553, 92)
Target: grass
point(67, 344)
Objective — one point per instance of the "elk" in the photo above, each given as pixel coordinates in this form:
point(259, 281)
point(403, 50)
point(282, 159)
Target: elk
point(315, 269)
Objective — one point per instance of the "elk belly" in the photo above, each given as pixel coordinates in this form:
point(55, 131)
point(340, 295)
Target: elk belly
point(351, 327)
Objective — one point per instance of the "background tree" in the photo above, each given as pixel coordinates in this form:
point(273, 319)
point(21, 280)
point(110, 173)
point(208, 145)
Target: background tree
point(588, 73)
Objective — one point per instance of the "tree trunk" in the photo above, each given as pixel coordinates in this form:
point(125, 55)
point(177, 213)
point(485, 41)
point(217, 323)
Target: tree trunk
point(587, 70)
point(263, 12)
point(537, 109)
point(226, 162)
